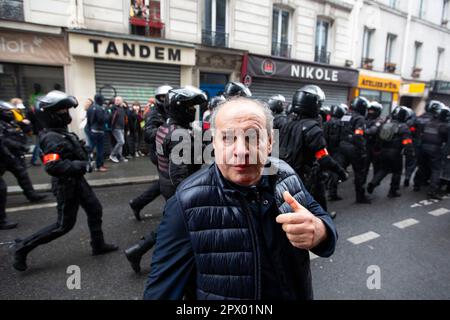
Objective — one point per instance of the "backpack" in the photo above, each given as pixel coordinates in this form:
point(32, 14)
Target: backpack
point(388, 131)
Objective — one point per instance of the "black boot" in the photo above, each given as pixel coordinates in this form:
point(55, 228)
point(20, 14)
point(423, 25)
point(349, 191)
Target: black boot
point(362, 199)
point(406, 182)
point(394, 194)
point(334, 197)
point(135, 210)
point(370, 188)
point(6, 224)
point(99, 246)
point(416, 188)
point(434, 195)
point(36, 197)
point(134, 254)
point(20, 257)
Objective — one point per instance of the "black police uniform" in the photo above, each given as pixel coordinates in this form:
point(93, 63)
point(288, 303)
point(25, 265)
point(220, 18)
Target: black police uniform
point(6, 158)
point(304, 139)
point(352, 150)
point(15, 135)
point(66, 160)
point(433, 137)
point(391, 160)
point(373, 147)
point(411, 157)
point(332, 130)
point(171, 174)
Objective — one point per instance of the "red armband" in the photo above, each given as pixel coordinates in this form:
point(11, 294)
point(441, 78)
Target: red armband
point(412, 129)
point(406, 141)
point(359, 132)
point(321, 153)
point(50, 157)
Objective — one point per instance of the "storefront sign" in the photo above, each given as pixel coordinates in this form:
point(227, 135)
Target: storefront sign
point(123, 49)
point(295, 70)
point(34, 48)
point(414, 89)
point(379, 84)
point(440, 87)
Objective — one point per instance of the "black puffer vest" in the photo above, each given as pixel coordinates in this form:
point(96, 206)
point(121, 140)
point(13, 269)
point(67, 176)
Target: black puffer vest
point(222, 233)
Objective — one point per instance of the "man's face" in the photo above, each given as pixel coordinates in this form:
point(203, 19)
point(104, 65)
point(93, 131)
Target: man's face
point(118, 101)
point(241, 142)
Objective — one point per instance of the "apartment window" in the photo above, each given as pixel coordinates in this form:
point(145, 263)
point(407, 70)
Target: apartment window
point(393, 3)
point(445, 12)
point(439, 61)
point(417, 54)
point(388, 59)
point(322, 54)
point(145, 18)
point(280, 33)
point(215, 27)
point(421, 9)
point(367, 42)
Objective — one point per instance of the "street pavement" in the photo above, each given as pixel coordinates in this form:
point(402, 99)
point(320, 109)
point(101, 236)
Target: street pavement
point(374, 258)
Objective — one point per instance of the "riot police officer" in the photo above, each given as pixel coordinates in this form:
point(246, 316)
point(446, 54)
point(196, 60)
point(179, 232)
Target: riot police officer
point(14, 133)
point(431, 133)
point(66, 160)
point(352, 146)
point(276, 104)
point(373, 125)
point(394, 137)
point(303, 146)
point(155, 118)
point(234, 88)
point(180, 105)
point(332, 131)
point(7, 158)
point(410, 157)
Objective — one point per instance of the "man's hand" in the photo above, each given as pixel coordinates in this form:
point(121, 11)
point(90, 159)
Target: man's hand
point(303, 229)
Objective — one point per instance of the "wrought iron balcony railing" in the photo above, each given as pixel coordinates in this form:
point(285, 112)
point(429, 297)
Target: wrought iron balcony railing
point(281, 49)
point(215, 38)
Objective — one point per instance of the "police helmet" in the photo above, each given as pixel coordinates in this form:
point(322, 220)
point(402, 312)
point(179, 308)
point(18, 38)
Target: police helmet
point(180, 103)
point(444, 113)
point(6, 113)
point(400, 114)
point(308, 100)
point(360, 105)
point(374, 110)
point(433, 106)
point(215, 101)
point(56, 100)
point(338, 111)
point(276, 103)
point(236, 89)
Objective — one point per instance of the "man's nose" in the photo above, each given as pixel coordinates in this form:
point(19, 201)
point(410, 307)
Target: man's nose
point(241, 148)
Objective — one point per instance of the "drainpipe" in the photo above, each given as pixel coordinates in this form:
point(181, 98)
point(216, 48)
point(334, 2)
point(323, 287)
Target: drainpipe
point(406, 41)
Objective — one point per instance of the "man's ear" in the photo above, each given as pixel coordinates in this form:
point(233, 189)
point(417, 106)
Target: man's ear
point(270, 142)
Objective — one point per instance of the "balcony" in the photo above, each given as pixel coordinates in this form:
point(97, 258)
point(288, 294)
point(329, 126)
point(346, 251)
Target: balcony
point(322, 56)
point(281, 49)
point(390, 67)
point(215, 38)
point(367, 63)
point(416, 72)
point(149, 27)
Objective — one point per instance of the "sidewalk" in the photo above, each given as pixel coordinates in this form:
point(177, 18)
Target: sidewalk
point(135, 171)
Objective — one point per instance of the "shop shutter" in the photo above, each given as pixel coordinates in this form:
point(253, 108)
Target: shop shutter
point(264, 88)
point(440, 97)
point(134, 81)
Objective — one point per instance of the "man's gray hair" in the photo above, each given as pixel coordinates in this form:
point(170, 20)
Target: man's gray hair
point(264, 107)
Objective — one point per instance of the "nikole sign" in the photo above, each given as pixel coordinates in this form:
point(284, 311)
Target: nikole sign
point(123, 49)
point(259, 66)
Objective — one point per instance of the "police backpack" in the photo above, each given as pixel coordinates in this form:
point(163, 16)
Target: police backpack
point(388, 131)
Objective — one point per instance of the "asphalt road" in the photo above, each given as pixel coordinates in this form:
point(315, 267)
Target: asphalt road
point(408, 263)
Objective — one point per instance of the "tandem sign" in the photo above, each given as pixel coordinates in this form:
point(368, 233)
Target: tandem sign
point(259, 66)
point(124, 49)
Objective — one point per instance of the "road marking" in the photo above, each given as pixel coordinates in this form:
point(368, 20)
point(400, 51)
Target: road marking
point(312, 256)
point(32, 207)
point(363, 237)
point(405, 223)
point(439, 212)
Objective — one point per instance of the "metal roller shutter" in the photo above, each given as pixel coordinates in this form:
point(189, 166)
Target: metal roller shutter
point(135, 81)
point(263, 89)
point(440, 97)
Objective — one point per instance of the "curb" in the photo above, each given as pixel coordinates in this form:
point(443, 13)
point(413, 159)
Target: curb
point(96, 183)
